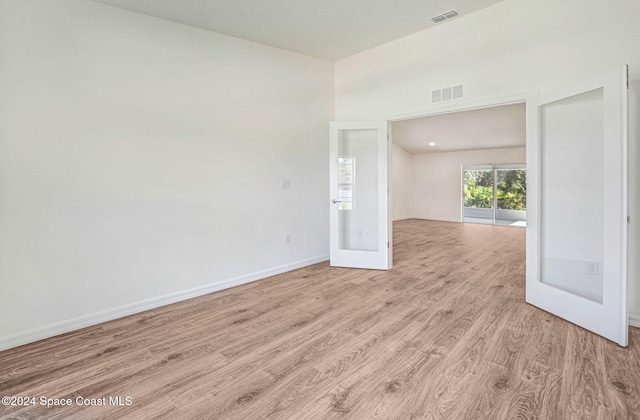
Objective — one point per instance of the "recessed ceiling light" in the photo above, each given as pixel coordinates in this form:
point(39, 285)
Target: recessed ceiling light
point(432, 144)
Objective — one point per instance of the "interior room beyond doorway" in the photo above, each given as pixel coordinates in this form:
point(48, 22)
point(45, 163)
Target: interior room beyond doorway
point(430, 153)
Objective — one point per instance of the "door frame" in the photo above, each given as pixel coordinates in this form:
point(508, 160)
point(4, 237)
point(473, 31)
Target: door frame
point(450, 108)
point(463, 106)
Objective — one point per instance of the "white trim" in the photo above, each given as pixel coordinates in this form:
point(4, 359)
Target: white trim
point(486, 167)
point(510, 166)
point(73, 324)
point(462, 106)
point(438, 220)
point(634, 320)
point(624, 226)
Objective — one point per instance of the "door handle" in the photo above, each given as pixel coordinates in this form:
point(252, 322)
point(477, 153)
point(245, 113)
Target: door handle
point(334, 201)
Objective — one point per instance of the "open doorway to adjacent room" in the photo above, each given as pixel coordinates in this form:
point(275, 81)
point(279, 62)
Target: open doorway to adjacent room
point(461, 166)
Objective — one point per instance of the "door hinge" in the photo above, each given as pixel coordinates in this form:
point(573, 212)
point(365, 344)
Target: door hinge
point(627, 77)
point(629, 219)
point(387, 244)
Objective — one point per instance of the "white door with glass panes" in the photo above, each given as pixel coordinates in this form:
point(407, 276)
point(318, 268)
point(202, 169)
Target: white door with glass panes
point(577, 203)
point(360, 225)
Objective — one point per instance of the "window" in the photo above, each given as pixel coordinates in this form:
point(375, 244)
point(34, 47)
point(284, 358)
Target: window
point(495, 194)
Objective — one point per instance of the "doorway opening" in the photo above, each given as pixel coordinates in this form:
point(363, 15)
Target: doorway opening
point(495, 194)
point(431, 152)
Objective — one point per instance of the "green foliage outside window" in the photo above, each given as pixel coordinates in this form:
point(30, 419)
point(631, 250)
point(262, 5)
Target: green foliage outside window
point(478, 189)
point(511, 189)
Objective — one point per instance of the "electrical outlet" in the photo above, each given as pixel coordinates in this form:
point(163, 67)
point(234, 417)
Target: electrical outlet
point(593, 268)
point(287, 238)
point(285, 184)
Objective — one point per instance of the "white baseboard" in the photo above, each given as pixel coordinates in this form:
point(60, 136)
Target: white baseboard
point(439, 219)
point(58, 328)
point(634, 320)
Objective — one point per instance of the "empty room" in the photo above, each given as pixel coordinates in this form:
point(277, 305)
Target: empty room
point(227, 209)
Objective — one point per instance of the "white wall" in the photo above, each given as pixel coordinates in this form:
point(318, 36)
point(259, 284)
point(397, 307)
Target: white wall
point(511, 48)
point(401, 183)
point(437, 179)
point(141, 160)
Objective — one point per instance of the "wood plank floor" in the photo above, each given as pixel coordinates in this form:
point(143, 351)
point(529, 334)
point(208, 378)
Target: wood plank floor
point(445, 334)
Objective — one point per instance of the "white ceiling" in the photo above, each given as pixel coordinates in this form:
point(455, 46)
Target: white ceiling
point(329, 29)
point(486, 128)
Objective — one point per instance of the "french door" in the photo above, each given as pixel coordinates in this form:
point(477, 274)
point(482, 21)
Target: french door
point(577, 203)
point(360, 235)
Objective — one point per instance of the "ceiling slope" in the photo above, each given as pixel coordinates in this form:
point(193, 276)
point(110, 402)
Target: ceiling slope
point(327, 29)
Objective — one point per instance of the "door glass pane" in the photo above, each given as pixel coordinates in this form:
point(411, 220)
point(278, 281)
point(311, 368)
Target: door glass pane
point(358, 190)
point(572, 194)
point(478, 195)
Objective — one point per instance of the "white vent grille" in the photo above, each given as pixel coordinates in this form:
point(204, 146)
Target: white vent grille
point(445, 16)
point(447, 94)
point(450, 14)
point(458, 92)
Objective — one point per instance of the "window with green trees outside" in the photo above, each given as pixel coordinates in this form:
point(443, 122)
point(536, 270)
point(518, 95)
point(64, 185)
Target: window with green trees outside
point(511, 189)
point(478, 189)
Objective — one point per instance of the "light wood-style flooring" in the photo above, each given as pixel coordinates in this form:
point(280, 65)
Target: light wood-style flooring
point(445, 334)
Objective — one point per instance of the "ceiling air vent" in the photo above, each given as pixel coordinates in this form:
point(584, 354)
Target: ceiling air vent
point(445, 16)
point(450, 14)
point(447, 94)
point(457, 92)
